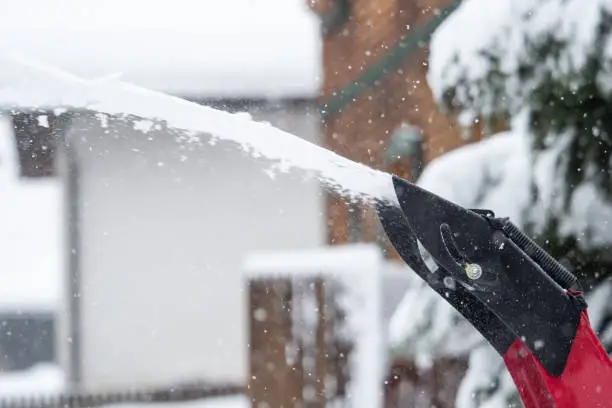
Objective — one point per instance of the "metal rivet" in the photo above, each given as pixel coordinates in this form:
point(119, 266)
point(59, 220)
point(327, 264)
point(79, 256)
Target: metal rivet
point(473, 271)
point(449, 282)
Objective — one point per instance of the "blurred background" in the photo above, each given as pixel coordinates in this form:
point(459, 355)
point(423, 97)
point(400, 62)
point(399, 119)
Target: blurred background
point(138, 266)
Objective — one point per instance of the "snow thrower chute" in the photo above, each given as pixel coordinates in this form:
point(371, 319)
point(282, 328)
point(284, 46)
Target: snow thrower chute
point(515, 294)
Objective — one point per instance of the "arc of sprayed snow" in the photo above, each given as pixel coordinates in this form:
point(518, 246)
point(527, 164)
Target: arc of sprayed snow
point(27, 83)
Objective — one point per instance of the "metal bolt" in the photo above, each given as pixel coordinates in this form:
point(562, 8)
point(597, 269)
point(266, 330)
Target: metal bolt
point(473, 271)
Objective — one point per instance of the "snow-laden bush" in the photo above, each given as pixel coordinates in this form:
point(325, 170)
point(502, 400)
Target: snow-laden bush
point(492, 174)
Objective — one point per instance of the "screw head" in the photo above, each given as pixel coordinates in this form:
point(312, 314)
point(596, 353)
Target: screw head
point(473, 271)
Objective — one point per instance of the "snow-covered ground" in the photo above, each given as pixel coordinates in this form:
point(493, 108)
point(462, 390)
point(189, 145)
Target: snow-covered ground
point(42, 379)
point(47, 380)
point(235, 401)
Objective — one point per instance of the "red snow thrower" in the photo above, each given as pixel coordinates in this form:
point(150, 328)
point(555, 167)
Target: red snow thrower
point(514, 293)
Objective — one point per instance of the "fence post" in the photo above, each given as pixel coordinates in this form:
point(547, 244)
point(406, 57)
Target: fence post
point(322, 349)
point(310, 312)
point(276, 377)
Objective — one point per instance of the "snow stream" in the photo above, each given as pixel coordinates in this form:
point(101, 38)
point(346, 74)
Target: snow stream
point(31, 84)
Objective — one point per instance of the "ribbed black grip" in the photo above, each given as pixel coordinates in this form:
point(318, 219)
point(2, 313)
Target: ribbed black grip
point(553, 268)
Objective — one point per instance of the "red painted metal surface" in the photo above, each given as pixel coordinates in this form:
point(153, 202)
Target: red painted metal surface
point(585, 383)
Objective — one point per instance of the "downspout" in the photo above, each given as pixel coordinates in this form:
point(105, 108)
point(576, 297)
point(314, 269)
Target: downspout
point(73, 282)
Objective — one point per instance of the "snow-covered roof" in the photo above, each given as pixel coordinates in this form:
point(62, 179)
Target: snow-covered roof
point(31, 231)
point(193, 48)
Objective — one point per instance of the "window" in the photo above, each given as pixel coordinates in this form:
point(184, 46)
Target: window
point(36, 142)
point(26, 340)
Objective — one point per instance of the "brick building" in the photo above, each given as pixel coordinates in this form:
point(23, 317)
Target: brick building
point(375, 99)
point(379, 110)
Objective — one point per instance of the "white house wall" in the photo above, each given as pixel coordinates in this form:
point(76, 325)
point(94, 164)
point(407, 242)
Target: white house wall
point(164, 232)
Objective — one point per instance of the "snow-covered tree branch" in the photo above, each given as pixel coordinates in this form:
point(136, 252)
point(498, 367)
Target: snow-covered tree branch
point(549, 64)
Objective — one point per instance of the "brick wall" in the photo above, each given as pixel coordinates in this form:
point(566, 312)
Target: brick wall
point(370, 30)
point(361, 131)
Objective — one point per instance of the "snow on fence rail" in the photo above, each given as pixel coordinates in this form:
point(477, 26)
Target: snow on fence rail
point(143, 396)
point(316, 327)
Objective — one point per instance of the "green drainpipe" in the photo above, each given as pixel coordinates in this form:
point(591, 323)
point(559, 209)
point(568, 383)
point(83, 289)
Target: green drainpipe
point(390, 62)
